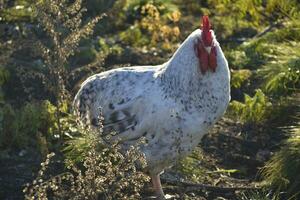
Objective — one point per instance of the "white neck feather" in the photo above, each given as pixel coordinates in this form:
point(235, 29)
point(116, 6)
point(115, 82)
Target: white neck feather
point(182, 75)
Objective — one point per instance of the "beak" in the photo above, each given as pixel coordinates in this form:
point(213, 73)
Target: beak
point(208, 49)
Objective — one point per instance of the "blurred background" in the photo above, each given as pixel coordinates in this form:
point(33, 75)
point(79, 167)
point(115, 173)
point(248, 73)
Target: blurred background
point(48, 48)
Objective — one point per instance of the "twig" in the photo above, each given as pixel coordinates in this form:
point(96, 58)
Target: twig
point(196, 186)
point(268, 29)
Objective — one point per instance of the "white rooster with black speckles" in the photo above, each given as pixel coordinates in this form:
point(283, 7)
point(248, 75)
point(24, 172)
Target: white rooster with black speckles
point(172, 105)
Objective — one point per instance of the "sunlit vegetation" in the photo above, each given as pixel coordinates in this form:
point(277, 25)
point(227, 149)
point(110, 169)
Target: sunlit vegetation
point(253, 110)
point(49, 47)
point(239, 77)
point(281, 171)
point(153, 23)
point(106, 175)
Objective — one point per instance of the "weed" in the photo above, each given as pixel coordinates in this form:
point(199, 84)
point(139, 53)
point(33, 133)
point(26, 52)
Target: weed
point(281, 172)
point(253, 110)
point(105, 174)
point(238, 77)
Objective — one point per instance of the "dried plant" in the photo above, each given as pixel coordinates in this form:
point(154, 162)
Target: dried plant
point(62, 23)
point(104, 174)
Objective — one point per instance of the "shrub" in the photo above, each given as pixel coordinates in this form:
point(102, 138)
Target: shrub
point(282, 170)
point(283, 80)
point(254, 110)
point(233, 16)
point(236, 58)
point(28, 126)
point(105, 173)
point(283, 76)
point(154, 25)
point(259, 195)
point(238, 77)
point(20, 11)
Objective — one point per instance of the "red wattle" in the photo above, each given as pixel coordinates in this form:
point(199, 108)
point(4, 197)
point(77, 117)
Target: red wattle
point(213, 59)
point(203, 58)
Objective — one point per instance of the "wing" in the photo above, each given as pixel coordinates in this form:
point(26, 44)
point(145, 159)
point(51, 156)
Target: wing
point(121, 96)
point(125, 120)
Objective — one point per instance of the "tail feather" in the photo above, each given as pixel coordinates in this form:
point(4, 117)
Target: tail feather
point(83, 108)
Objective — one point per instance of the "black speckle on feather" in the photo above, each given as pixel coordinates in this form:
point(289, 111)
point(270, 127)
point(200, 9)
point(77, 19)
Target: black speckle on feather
point(121, 128)
point(111, 106)
point(114, 117)
point(130, 121)
point(121, 102)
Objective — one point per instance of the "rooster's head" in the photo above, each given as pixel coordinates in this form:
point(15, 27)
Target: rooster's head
point(205, 48)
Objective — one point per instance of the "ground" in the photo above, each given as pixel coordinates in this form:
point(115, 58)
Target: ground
point(224, 165)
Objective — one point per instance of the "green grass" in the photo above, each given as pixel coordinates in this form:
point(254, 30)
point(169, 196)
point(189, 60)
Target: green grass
point(282, 171)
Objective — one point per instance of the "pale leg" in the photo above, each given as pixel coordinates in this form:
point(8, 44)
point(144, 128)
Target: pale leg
point(157, 187)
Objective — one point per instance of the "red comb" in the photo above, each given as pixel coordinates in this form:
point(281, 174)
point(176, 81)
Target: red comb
point(206, 34)
point(205, 23)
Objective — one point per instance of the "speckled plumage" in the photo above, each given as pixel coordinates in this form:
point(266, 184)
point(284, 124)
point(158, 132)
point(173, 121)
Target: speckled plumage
point(172, 105)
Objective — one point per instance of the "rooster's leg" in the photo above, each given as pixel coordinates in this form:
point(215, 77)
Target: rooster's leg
point(157, 187)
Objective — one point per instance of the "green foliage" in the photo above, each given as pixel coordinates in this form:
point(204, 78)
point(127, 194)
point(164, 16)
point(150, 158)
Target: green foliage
point(197, 167)
point(134, 36)
point(4, 76)
point(20, 11)
point(193, 7)
point(233, 17)
point(39, 64)
point(253, 110)
point(108, 47)
point(284, 78)
point(54, 58)
point(95, 7)
point(27, 126)
point(133, 8)
point(190, 167)
point(238, 77)
point(258, 195)
point(236, 58)
point(155, 24)
point(65, 30)
point(282, 170)
point(289, 32)
point(77, 146)
point(279, 46)
point(257, 53)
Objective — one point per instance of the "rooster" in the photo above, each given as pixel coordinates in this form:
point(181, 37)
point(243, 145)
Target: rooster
point(170, 105)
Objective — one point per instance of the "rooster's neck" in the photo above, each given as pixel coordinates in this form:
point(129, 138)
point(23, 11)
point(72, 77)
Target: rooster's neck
point(181, 78)
point(181, 74)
